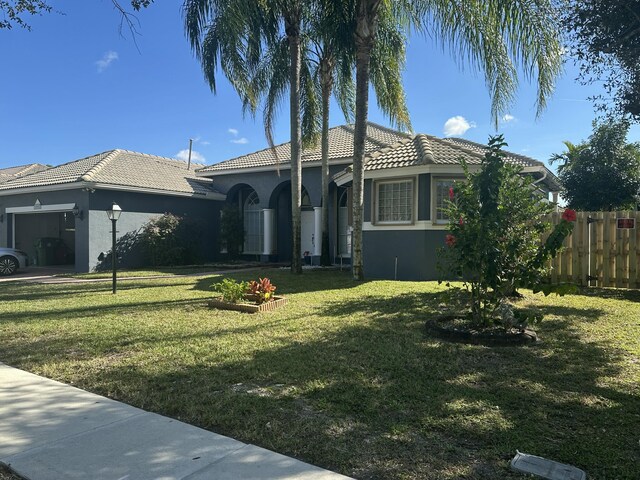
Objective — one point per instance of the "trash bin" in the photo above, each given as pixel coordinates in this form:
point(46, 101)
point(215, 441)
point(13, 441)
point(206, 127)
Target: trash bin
point(48, 251)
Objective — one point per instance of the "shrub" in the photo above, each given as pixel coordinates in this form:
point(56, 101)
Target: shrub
point(171, 240)
point(231, 290)
point(496, 230)
point(263, 290)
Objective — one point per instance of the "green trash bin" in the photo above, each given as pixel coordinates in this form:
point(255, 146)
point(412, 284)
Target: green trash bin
point(46, 248)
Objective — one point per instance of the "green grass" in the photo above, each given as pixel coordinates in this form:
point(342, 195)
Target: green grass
point(345, 376)
point(163, 271)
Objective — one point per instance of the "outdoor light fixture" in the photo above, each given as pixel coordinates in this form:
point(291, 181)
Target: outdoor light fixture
point(77, 212)
point(114, 214)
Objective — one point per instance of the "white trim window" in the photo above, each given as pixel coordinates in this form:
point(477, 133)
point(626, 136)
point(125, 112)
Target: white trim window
point(252, 218)
point(394, 202)
point(441, 187)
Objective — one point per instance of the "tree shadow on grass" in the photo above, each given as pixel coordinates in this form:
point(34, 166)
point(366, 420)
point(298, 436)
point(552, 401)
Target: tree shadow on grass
point(35, 292)
point(381, 401)
point(610, 293)
point(371, 395)
point(285, 281)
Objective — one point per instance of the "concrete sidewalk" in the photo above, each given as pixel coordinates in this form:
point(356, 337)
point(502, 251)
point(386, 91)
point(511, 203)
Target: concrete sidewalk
point(52, 431)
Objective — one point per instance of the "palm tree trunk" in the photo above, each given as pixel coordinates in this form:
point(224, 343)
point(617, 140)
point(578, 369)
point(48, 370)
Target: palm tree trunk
point(326, 73)
point(293, 34)
point(364, 37)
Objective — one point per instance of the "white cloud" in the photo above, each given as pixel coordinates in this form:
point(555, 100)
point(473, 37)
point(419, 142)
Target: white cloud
point(233, 132)
point(106, 60)
point(205, 142)
point(508, 118)
point(241, 141)
point(196, 157)
point(457, 125)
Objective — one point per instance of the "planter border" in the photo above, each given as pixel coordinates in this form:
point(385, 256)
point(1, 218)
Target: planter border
point(458, 335)
point(248, 307)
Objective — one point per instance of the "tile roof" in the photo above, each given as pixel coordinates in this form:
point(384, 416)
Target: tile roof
point(424, 149)
point(120, 168)
point(511, 157)
point(10, 173)
point(340, 146)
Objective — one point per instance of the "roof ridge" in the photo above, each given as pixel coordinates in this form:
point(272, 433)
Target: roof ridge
point(457, 146)
point(389, 129)
point(352, 129)
point(344, 127)
point(157, 157)
point(108, 156)
point(22, 168)
point(424, 147)
point(386, 149)
point(480, 145)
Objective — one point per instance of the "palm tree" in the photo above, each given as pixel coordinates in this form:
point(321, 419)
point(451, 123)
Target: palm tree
point(493, 36)
point(567, 157)
point(237, 32)
point(335, 53)
point(327, 69)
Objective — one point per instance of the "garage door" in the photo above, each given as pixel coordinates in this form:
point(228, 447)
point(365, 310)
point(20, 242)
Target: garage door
point(48, 238)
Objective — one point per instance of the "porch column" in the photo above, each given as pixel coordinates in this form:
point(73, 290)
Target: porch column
point(317, 231)
point(267, 231)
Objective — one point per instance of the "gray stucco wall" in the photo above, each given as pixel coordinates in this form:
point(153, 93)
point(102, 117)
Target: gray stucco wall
point(266, 183)
point(93, 231)
point(139, 208)
point(416, 251)
point(77, 196)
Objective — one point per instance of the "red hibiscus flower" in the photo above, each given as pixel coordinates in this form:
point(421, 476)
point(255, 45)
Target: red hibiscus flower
point(451, 193)
point(450, 240)
point(569, 215)
point(461, 222)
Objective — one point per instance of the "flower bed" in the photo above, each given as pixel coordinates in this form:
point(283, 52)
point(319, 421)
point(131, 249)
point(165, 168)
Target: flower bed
point(250, 306)
point(250, 297)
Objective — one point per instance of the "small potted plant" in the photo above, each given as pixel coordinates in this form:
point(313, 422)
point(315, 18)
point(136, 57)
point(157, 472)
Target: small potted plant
point(251, 297)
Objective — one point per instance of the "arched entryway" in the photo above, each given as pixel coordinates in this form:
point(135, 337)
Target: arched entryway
point(246, 203)
point(252, 221)
point(281, 203)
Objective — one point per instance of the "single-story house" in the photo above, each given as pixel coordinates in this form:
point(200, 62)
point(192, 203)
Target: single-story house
point(67, 203)
point(407, 179)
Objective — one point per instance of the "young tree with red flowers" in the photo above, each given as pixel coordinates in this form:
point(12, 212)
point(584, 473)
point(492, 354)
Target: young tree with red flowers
point(495, 234)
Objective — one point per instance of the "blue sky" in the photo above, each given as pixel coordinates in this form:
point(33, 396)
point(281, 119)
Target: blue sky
point(73, 86)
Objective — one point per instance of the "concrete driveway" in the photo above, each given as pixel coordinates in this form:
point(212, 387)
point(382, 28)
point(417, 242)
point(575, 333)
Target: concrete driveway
point(36, 274)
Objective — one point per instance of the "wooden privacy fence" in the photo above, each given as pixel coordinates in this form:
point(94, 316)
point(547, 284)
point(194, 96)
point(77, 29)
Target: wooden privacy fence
point(598, 253)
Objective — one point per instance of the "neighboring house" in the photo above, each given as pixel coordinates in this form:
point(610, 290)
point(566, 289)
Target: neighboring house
point(407, 179)
point(68, 203)
point(11, 173)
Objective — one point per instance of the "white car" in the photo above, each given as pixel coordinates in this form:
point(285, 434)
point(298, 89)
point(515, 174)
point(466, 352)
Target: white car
point(11, 260)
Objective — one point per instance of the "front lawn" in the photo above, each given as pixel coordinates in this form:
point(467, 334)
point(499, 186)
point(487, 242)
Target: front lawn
point(165, 271)
point(345, 376)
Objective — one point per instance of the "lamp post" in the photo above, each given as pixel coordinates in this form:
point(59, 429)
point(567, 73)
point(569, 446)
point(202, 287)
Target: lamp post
point(114, 214)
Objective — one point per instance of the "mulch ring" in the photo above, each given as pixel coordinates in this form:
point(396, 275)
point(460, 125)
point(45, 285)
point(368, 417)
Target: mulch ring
point(454, 328)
